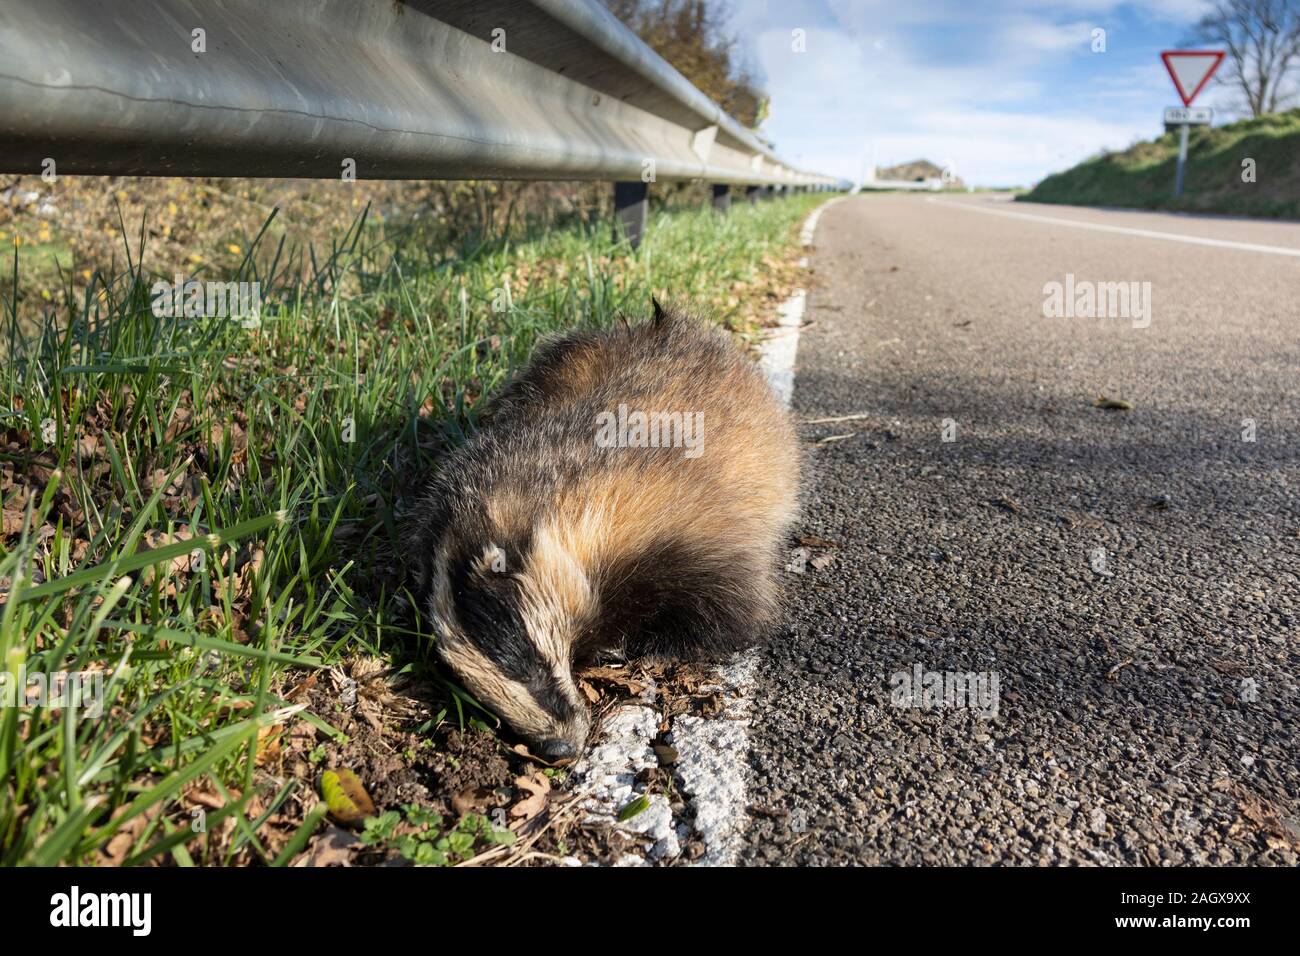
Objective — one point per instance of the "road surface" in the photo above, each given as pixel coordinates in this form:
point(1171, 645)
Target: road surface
point(1129, 577)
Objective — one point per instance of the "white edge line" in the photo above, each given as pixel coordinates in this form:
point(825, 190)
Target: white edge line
point(1124, 230)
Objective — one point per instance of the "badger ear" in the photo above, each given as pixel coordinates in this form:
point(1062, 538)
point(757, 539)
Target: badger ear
point(659, 311)
point(492, 561)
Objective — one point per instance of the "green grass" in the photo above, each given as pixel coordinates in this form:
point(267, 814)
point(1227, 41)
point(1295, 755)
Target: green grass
point(266, 469)
point(1142, 176)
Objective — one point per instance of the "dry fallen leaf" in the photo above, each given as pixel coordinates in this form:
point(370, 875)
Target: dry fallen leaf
point(219, 433)
point(268, 743)
point(1113, 674)
point(177, 566)
point(615, 676)
point(472, 800)
point(210, 798)
point(1117, 404)
point(709, 705)
point(116, 851)
point(15, 520)
point(247, 572)
point(334, 847)
point(538, 787)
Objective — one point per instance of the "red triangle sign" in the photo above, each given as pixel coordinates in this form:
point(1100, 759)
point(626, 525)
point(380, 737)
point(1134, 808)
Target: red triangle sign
point(1191, 70)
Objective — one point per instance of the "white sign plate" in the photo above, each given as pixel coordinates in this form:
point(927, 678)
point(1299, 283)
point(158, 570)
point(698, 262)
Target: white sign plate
point(1195, 115)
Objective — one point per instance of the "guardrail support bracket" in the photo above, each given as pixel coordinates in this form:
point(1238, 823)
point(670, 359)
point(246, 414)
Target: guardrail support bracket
point(631, 202)
point(721, 197)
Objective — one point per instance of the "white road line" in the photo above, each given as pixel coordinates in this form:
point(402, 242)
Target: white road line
point(778, 352)
point(607, 775)
point(711, 763)
point(1125, 230)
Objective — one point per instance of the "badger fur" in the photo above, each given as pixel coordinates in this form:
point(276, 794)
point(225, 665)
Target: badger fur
point(541, 543)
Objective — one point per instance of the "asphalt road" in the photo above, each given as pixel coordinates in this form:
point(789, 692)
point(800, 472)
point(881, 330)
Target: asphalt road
point(1147, 699)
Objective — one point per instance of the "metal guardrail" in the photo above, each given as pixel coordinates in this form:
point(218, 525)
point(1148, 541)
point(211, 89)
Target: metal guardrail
point(401, 89)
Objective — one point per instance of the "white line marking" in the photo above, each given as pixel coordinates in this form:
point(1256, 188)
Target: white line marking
point(1125, 230)
point(711, 757)
point(607, 774)
point(778, 352)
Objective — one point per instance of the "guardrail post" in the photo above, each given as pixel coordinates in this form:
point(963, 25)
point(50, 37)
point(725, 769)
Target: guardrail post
point(751, 193)
point(721, 197)
point(631, 201)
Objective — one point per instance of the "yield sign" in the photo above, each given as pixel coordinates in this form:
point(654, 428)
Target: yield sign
point(1191, 69)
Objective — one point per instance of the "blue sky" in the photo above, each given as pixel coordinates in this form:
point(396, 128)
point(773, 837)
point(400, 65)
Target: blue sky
point(1006, 91)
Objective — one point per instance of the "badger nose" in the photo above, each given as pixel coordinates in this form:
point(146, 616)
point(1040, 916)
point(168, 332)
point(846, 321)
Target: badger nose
point(555, 750)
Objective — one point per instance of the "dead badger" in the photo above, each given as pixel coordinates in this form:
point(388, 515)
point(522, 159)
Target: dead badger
point(631, 493)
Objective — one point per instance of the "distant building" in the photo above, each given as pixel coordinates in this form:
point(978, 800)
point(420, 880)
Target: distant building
point(920, 171)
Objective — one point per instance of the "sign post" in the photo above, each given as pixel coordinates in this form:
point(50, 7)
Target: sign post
point(1182, 159)
point(1190, 70)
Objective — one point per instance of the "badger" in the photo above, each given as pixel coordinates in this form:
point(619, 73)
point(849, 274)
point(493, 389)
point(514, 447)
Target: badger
point(629, 494)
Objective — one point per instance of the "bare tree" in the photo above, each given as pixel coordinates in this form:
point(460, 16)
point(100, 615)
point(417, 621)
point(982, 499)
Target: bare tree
point(1262, 39)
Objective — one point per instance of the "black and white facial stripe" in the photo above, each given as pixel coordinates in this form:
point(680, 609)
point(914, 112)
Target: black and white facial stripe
point(488, 605)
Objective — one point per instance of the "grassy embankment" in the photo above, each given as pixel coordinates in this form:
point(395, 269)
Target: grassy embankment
point(1142, 176)
point(204, 514)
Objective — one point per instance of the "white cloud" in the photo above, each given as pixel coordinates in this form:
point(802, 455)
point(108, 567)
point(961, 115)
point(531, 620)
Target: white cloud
point(986, 89)
point(1038, 36)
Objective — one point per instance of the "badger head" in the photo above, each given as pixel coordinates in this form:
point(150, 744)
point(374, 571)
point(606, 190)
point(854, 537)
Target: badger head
point(507, 611)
